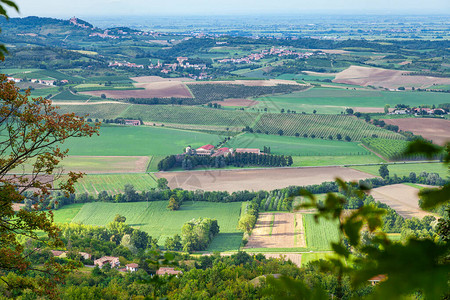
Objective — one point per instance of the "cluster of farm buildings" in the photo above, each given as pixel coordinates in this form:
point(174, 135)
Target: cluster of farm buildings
point(208, 150)
point(114, 262)
point(258, 56)
point(418, 111)
point(40, 81)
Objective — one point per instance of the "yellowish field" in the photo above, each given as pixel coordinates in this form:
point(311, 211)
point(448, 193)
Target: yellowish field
point(402, 198)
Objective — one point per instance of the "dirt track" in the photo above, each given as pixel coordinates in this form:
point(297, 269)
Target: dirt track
point(402, 198)
point(257, 179)
point(237, 102)
point(437, 130)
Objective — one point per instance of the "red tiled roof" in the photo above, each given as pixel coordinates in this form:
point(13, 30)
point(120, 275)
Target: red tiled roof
point(207, 147)
point(132, 265)
point(167, 271)
point(378, 278)
point(223, 149)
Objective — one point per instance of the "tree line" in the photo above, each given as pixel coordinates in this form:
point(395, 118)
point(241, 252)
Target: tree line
point(189, 162)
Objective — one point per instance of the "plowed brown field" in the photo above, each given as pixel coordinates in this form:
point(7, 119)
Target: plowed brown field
point(437, 130)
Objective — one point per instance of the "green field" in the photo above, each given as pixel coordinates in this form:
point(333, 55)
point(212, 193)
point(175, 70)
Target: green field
point(320, 235)
point(66, 214)
point(161, 223)
point(289, 145)
point(67, 95)
point(390, 149)
point(322, 126)
point(306, 161)
point(138, 141)
point(321, 97)
point(403, 169)
point(189, 115)
point(114, 183)
point(100, 111)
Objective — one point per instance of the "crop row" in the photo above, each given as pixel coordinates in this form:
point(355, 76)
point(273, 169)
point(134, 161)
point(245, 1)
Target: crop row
point(190, 115)
point(320, 126)
point(390, 149)
point(113, 184)
point(205, 93)
point(320, 235)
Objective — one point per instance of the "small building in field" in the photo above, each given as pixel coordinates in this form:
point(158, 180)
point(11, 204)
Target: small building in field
point(133, 122)
point(377, 279)
point(58, 253)
point(112, 260)
point(132, 267)
point(248, 150)
point(168, 271)
point(205, 150)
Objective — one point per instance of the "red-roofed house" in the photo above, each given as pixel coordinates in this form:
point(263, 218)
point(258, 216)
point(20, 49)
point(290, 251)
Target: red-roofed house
point(132, 267)
point(248, 150)
point(133, 122)
point(168, 271)
point(112, 260)
point(377, 279)
point(205, 150)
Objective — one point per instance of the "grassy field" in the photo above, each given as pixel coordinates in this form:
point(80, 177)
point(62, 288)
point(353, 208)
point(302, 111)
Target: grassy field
point(114, 183)
point(306, 161)
point(161, 223)
point(100, 111)
point(319, 235)
point(321, 96)
point(66, 214)
point(189, 115)
point(404, 169)
point(138, 141)
point(67, 95)
point(289, 145)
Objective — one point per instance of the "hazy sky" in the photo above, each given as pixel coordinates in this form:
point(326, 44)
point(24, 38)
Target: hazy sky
point(66, 8)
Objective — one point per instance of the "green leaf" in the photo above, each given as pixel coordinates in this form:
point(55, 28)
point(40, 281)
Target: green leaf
point(434, 197)
point(340, 249)
point(422, 147)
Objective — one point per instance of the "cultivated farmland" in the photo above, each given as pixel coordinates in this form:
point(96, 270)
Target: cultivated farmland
point(319, 235)
point(138, 141)
point(390, 149)
point(257, 179)
point(278, 230)
point(403, 169)
point(105, 164)
point(114, 183)
point(288, 145)
point(159, 222)
point(437, 130)
point(401, 197)
point(321, 126)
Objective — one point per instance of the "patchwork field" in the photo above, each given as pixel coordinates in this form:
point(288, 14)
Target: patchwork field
point(403, 169)
point(402, 198)
point(277, 230)
point(114, 183)
point(155, 219)
point(288, 145)
point(365, 76)
point(257, 179)
point(138, 141)
point(437, 130)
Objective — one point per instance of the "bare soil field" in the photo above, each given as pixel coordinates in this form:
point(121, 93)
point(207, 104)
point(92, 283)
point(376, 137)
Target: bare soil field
point(371, 109)
point(437, 130)
point(403, 198)
point(391, 79)
point(151, 79)
point(278, 230)
point(162, 89)
point(257, 179)
point(18, 206)
point(237, 102)
point(270, 82)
